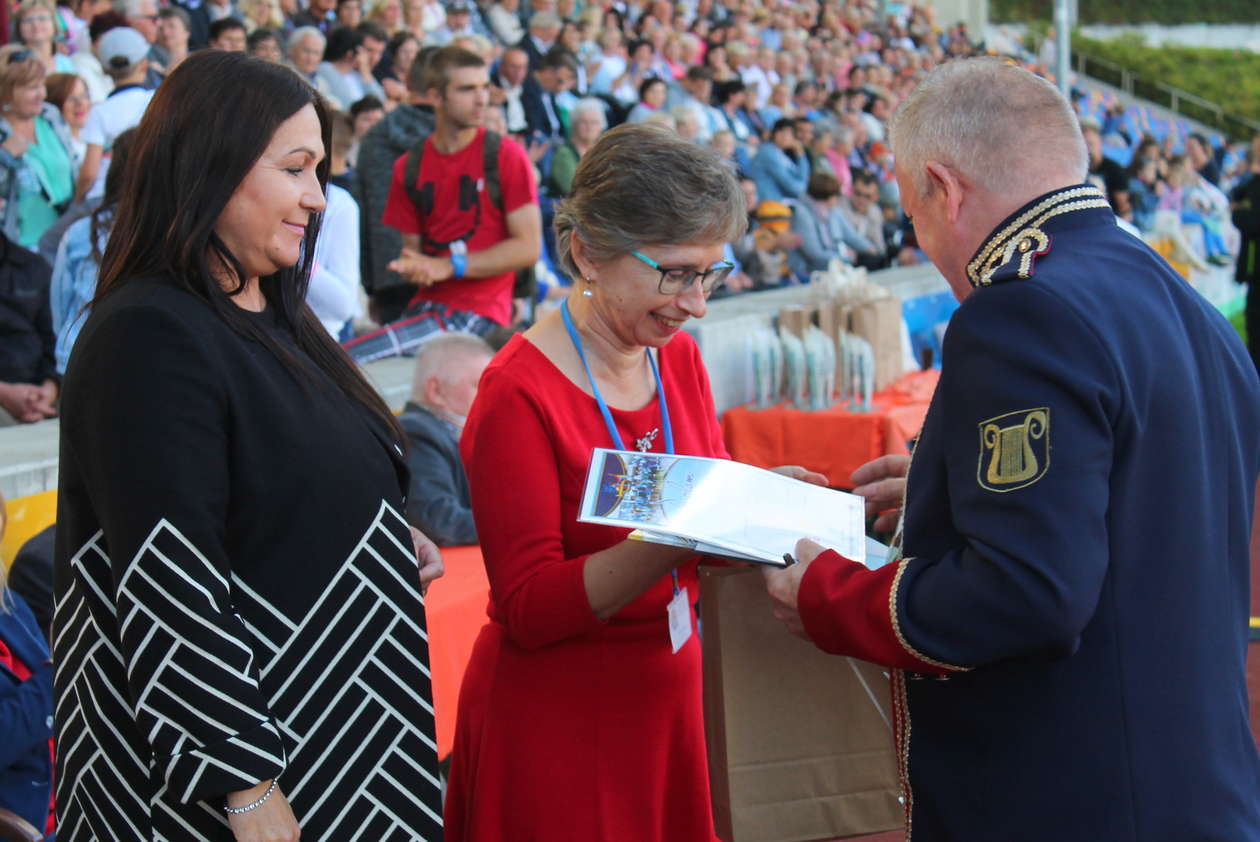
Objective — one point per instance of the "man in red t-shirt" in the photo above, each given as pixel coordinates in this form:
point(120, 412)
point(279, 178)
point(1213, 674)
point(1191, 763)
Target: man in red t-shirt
point(461, 248)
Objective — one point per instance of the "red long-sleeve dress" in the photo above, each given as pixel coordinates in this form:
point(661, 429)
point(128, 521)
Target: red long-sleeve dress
point(571, 729)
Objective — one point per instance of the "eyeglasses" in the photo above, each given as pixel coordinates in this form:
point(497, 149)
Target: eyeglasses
point(676, 279)
point(19, 55)
point(35, 19)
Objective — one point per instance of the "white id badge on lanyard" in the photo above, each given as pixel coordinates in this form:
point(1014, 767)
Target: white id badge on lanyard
point(679, 619)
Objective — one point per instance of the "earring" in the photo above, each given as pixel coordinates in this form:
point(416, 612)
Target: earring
point(586, 293)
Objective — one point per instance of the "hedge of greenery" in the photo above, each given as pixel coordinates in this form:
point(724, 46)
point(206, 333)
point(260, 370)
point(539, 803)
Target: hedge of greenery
point(1132, 11)
point(1230, 78)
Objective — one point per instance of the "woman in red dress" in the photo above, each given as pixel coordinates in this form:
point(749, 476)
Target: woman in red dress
point(577, 720)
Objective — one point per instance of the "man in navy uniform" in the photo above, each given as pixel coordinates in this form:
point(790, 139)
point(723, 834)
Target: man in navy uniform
point(1067, 615)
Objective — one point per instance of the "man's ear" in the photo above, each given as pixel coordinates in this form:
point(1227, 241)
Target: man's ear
point(433, 391)
point(945, 179)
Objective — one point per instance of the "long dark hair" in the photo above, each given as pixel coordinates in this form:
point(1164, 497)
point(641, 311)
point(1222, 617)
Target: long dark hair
point(207, 126)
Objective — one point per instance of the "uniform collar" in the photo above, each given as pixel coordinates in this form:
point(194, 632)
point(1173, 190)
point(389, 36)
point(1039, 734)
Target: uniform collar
point(1009, 252)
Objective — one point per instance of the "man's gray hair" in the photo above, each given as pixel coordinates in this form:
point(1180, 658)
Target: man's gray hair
point(302, 33)
point(544, 20)
point(437, 355)
point(686, 111)
point(642, 184)
point(996, 124)
point(131, 8)
point(590, 105)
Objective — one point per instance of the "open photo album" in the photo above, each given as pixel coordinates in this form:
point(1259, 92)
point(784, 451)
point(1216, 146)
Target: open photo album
point(719, 507)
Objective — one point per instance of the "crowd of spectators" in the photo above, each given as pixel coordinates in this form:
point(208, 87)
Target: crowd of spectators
point(1171, 184)
point(795, 96)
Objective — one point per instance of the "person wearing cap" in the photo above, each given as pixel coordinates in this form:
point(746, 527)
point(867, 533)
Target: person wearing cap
point(86, 64)
point(124, 55)
point(142, 16)
point(459, 17)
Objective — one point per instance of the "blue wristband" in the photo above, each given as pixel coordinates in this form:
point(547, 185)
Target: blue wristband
point(459, 262)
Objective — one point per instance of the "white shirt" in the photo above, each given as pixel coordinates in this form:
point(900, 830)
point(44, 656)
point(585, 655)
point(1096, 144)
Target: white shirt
point(611, 68)
point(120, 111)
point(334, 290)
point(875, 132)
point(758, 84)
point(516, 120)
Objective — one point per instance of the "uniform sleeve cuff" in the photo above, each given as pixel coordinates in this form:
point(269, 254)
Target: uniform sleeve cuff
point(848, 609)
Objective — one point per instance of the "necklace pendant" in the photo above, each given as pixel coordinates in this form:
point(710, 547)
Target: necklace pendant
point(644, 444)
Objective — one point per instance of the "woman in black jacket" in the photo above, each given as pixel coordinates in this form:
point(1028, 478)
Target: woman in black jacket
point(240, 640)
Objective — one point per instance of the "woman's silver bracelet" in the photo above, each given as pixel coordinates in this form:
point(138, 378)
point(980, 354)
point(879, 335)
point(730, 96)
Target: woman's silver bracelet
point(254, 806)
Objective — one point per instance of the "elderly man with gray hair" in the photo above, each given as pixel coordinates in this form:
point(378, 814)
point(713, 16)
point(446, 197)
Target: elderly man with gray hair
point(1065, 609)
point(544, 28)
point(306, 51)
point(443, 386)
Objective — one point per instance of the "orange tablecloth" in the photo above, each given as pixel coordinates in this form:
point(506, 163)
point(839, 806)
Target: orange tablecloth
point(455, 609)
point(834, 441)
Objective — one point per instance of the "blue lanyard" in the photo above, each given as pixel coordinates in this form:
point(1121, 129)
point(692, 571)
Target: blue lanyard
point(603, 406)
point(599, 399)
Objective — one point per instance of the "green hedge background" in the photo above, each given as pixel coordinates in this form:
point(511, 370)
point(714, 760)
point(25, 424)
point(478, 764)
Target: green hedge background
point(1230, 78)
point(1132, 11)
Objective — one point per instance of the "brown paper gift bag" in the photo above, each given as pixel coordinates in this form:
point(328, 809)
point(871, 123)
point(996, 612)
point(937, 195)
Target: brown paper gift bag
point(798, 750)
point(879, 323)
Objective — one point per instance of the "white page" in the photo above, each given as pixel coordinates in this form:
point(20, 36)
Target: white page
point(729, 505)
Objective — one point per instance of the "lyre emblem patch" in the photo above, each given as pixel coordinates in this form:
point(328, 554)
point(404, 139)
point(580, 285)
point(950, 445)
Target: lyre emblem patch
point(1014, 449)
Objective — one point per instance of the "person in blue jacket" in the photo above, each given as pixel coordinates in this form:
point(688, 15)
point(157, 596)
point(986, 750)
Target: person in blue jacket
point(1066, 610)
point(825, 232)
point(780, 167)
point(26, 710)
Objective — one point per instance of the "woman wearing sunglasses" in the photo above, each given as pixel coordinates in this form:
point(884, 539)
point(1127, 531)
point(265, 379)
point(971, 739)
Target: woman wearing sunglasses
point(36, 150)
point(577, 720)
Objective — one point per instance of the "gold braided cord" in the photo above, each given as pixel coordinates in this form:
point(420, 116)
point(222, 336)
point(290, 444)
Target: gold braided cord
point(980, 270)
point(901, 715)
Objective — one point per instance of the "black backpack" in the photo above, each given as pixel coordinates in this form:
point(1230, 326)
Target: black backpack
point(423, 199)
point(490, 164)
